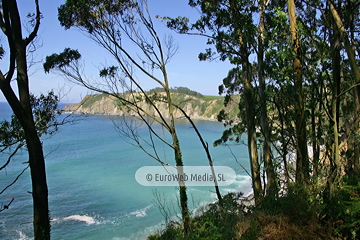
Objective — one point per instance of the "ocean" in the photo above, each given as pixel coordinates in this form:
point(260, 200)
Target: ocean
point(93, 193)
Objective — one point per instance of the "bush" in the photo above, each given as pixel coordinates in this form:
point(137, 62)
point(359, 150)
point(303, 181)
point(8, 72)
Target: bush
point(295, 204)
point(343, 210)
point(215, 221)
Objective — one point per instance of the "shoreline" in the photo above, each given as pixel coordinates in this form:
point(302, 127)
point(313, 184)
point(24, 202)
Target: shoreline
point(127, 115)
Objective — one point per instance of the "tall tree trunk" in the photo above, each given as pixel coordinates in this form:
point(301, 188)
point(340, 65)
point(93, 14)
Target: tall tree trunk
point(271, 188)
point(249, 107)
point(182, 188)
point(178, 156)
point(250, 119)
point(39, 186)
point(302, 162)
point(22, 110)
point(350, 50)
point(335, 155)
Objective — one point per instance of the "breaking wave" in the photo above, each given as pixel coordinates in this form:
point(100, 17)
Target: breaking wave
point(83, 218)
point(141, 212)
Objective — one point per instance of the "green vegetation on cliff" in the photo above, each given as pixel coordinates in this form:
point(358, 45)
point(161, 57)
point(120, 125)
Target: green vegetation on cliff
point(182, 90)
point(89, 100)
point(195, 105)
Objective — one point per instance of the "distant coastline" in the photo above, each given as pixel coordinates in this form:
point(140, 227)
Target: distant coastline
point(200, 108)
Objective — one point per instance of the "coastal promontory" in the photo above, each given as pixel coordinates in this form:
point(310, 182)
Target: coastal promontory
point(197, 107)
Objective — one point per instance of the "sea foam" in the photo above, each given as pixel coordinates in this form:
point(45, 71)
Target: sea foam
point(22, 236)
point(141, 212)
point(83, 218)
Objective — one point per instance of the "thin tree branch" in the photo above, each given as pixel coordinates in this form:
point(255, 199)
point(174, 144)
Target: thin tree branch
point(11, 155)
point(33, 34)
point(4, 207)
point(15, 179)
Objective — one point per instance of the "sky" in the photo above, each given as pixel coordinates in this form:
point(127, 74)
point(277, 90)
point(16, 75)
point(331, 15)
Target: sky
point(184, 70)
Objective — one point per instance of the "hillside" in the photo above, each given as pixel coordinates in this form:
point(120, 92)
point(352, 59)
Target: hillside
point(203, 107)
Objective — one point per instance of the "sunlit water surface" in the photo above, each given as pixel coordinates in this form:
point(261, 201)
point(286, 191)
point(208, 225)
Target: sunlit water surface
point(93, 193)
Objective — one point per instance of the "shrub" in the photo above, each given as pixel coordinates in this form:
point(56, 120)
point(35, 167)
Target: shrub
point(343, 210)
point(215, 221)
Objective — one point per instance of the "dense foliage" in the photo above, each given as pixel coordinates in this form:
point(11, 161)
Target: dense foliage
point(296, 67)
point(183, 90)
point(44, 110)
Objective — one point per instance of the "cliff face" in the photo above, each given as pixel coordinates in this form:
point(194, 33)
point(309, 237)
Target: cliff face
point(197, 108)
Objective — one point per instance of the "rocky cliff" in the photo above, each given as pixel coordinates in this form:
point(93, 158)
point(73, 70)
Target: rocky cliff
point(206, 107)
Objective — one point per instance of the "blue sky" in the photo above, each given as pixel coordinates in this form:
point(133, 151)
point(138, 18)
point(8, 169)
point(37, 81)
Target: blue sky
point(184, 69)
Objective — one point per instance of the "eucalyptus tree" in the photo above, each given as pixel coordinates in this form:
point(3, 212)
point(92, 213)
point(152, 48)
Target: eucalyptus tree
point(119, 27)
point(233, 30)
point(350, 50)
point(302, 163)
point(307, 72)
point(231, 27)
point(264, 115)
point(21, 105)
point(344, 71)
point(280, 91)
point(328, 58)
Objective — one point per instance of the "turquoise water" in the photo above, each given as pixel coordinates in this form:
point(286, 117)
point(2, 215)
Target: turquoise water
point(93, 193)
